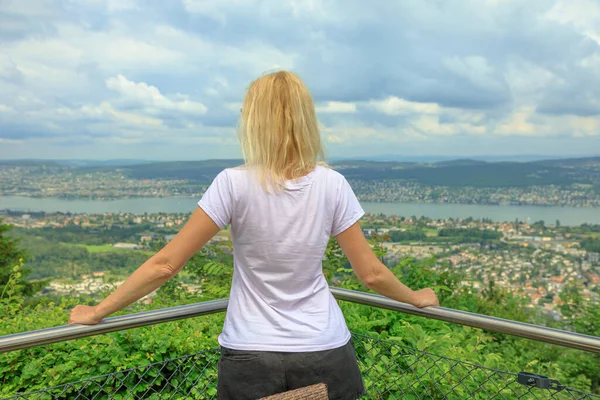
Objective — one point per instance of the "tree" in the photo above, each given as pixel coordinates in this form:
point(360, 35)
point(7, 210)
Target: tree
point(158, 243)
point(582, 315)
point(12, 255)
point(541, 225)
point(212, 266)
point(591, 245)
point(334, 260)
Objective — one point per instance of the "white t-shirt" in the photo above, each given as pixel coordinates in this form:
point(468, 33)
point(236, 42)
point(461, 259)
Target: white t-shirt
point(280, 300)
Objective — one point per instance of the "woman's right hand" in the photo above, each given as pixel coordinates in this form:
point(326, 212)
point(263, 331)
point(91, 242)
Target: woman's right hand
point(84, 315)
point(424, 298)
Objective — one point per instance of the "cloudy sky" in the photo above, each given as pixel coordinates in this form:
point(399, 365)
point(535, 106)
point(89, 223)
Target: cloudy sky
point(154, 79)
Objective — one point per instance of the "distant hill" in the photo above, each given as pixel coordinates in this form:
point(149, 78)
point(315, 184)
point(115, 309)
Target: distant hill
point(438, 158)
point(28, 163)
point(452, 173)
point(584, 162)
point(194, 171)
point(107, 163)
point(459, 162)
point(479, 174)
point(76, 163)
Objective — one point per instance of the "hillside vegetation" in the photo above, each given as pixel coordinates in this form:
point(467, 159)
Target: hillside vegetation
point(45, 366)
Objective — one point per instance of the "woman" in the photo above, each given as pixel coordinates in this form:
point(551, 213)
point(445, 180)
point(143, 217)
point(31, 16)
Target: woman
point(283, 329)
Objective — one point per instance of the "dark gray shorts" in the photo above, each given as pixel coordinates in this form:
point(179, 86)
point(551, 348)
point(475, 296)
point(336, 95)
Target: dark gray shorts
point(255, 374)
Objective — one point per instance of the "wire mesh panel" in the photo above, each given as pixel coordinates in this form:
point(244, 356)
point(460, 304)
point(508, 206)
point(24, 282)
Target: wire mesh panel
point(395, 371)
point(390, 371)
point(188, 377)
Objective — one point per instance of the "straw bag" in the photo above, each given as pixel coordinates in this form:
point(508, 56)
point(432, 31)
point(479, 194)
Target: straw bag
point(313, 392)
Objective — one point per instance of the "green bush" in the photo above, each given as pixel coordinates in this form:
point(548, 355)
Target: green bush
point(421, 343)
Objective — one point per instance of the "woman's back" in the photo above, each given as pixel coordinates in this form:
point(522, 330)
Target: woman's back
point(283, 328)
point(279, 297)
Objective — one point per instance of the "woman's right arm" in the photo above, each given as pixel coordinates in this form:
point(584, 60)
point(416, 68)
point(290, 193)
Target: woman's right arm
point(375, 275)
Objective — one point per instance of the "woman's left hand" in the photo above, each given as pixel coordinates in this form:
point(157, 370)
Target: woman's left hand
point(84, 315)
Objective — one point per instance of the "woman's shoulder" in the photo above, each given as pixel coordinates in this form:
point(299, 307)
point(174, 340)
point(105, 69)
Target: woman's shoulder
point(236, 175)
point(331, 173)
point(236, 171)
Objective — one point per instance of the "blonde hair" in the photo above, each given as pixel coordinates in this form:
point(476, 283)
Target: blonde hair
point(278, 129)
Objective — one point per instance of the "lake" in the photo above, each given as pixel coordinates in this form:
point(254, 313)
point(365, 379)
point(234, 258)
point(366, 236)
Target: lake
point(566, 215)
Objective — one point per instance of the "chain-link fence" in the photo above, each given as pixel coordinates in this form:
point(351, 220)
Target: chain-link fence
point(187, 377)
point(395, 371)
point(390, 370)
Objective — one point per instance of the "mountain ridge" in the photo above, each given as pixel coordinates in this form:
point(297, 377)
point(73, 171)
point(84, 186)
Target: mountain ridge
point(458, 172)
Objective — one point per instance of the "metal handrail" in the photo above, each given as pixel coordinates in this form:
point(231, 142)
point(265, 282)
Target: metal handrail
point(69, 332)
point(63, 333)
point(514, 328)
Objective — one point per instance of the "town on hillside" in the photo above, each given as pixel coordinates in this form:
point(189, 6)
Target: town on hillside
point(569, 183)
point(533, 260)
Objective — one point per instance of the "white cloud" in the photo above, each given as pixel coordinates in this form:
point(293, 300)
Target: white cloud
point(528, 80)
point(31, 8)
point(111, 6)
point(350, 132)
point(584, 15)
point(114, 48)
point(336, 107)
point(106, 111)
point(584, 126)
point(431, 125)
point(253, 58)
point(6, 109)
point(475, 69)
point(396, 106)
point(8, 69)
point(519, 124)
point(333, 139)
point(220, 10)
point(212, 9)
point(150, 98)
point(382, 74)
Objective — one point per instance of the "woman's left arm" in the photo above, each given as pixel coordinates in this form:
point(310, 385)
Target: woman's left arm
point(159, 269)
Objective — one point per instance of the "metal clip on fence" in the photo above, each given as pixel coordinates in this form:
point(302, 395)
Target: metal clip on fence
point(538, 381)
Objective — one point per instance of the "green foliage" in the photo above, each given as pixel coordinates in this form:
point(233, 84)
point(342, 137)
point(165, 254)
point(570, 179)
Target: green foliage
point(591, 245)
point(74, 360)
point(335, 261)
point(446, 235)
point(420, 341)
point(413, 235)
point(49, 259)
point(10, 295)
point(468, 235)
point(158, 243)
point(172, 289)
point(84, 358)
point(587, 228)
point(10, 255)
point(337, 269)
point(419, 274)
point(582, 316)
point(106, 234)
point(101, 248)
